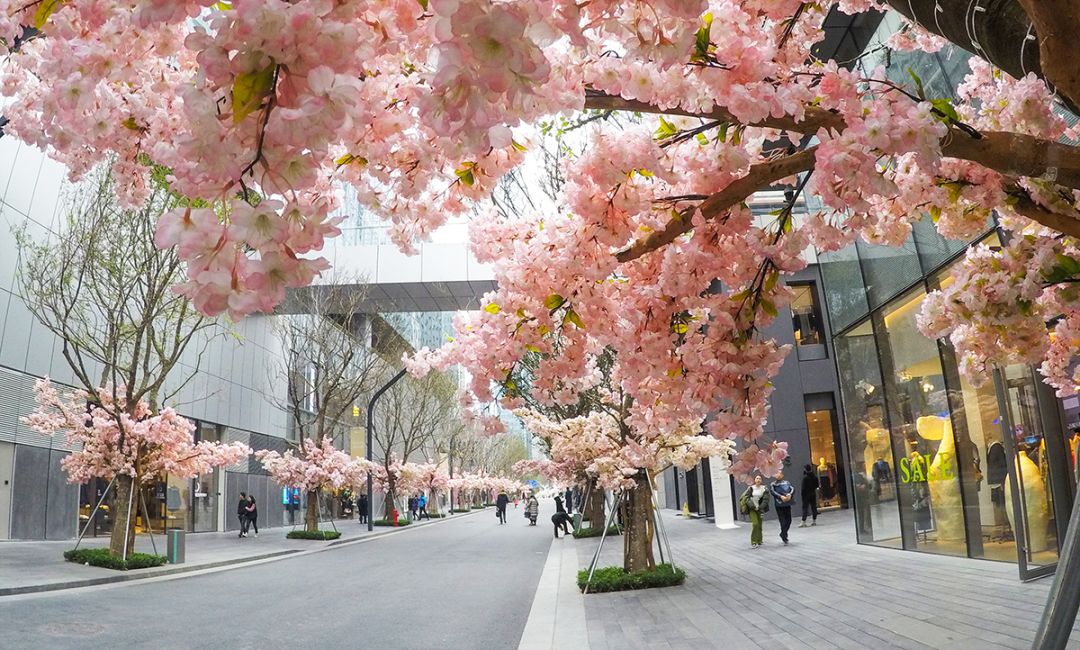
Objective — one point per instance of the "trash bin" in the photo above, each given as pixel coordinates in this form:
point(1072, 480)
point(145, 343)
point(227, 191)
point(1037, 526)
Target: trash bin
point(177, 545)
point(577, 521)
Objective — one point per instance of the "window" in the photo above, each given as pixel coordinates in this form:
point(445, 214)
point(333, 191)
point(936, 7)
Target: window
point(806, 315)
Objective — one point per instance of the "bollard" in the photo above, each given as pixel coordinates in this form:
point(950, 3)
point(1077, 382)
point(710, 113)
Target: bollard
point(176, 545)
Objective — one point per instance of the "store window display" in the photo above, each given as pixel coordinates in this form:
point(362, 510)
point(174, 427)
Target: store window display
point(931, 508)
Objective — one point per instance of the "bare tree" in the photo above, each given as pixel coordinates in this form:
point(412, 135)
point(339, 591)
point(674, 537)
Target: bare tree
point(410, 418)
point(328, 368)
point(105, 290)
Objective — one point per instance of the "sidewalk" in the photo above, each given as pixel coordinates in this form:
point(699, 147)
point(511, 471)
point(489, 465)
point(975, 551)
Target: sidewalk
point(34, 566)
point(822, 591)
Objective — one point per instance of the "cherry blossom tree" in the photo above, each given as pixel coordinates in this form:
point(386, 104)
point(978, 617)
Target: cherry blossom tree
point(102, 287)
point(326, 365)
point(433, 481)
point(315, 468)
point(115, 439)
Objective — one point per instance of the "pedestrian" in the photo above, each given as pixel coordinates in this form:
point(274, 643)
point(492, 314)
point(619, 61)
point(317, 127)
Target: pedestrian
point(253, 514)
point(412, 508)
point(755, 503)
point(241, 514)
point(560, 519)
point(532, 509)
point(808, 493)
point(515, 501)
point(783, 495)
point(421, 506)
point(500, 507)
point(569, 500)
point(362, 508)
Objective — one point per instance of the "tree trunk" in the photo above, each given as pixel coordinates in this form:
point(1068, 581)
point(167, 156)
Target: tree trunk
point(594, 509)
point(311, 513)
point(126, 507)
point(638, 531)
point(433, 502)
point(391, 496)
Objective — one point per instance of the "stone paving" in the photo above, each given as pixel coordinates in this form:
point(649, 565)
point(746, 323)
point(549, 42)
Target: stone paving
point(30, 566)
point(822, 591)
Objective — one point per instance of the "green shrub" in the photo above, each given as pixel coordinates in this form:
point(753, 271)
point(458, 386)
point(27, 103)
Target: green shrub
point(460, 510)
point(319, 534)
point(595, 532)
point(434, 515)
point(390, 522)
point(478, 507)
point(102, 558)
point(614, 578)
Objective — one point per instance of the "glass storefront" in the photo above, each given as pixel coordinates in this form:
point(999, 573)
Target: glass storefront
point(939, 464)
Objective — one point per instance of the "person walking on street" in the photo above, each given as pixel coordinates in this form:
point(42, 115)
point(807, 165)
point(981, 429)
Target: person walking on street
point(755, 503)
point(412, 508)
point(241, 514)
point(361, 506)
point(783, 497)
point(560, 518)
point(253, 514)
point(421, 507)
point(532, 509)
point(808, 493)
point(500, 507)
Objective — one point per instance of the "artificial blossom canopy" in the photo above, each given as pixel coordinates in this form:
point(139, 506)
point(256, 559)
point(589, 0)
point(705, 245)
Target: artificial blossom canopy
point(422, 105)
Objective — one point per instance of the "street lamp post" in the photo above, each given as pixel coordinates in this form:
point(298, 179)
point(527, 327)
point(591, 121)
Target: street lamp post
point(370, 444)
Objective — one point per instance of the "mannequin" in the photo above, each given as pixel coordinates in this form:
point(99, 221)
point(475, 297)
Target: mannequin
point(877, 446)
point(1034, 492)
point(944, 482)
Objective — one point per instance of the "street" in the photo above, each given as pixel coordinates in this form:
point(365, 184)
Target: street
point(464, 583)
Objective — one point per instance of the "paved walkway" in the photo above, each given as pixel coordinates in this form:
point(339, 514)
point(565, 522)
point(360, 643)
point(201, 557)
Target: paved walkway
point(822, 591)
point(27, 567)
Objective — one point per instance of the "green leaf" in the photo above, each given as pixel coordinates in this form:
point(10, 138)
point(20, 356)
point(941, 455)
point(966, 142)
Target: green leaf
point(223, 5)
point(349, 158)
point(1068, 264)
point(644, 173)
point(554, 301)
point(513, 143)
point(918, 84)
point(44, 10)
point(701, 39)
point(492, 308)
point(543, 329)
point(130, 123)
point(466, 174)
point(679, 327)
point(935, 213)
point(945, 107)
point(701, 139)
point(572, 317)
point(770, 281)
point(769, 308)
point(423, 3)
point(249, 90)
point(666, 129)
point(532, 348)
point(723, 132)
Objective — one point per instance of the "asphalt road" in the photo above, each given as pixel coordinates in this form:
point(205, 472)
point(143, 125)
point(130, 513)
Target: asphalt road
point(464, 583)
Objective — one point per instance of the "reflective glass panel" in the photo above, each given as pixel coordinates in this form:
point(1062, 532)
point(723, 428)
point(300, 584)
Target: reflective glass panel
point(869, 443)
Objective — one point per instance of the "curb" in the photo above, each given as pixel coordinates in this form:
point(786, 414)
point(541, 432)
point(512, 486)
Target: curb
point(124, 576)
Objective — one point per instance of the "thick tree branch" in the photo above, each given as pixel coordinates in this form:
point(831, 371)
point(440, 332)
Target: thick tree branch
point(758, 177)
point(1057, 24)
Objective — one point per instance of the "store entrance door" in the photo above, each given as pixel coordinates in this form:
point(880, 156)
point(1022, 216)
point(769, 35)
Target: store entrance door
point(1029, 491)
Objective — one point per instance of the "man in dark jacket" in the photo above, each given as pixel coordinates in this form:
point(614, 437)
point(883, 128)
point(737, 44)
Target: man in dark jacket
point(560, 518)
point(241, 512)
point(361, 507)
point(808, 493)
point(783, 497)
point(500, 506)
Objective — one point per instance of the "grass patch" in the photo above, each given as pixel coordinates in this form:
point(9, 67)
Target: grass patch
point(478, 507)
point(390, 522)
point(613, 578)
point(434, 515)
point(460, 510)
point(595, 532)
point(319, 534)
point(102, 558)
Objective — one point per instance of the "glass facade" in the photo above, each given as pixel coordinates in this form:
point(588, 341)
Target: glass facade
point(937, 463)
